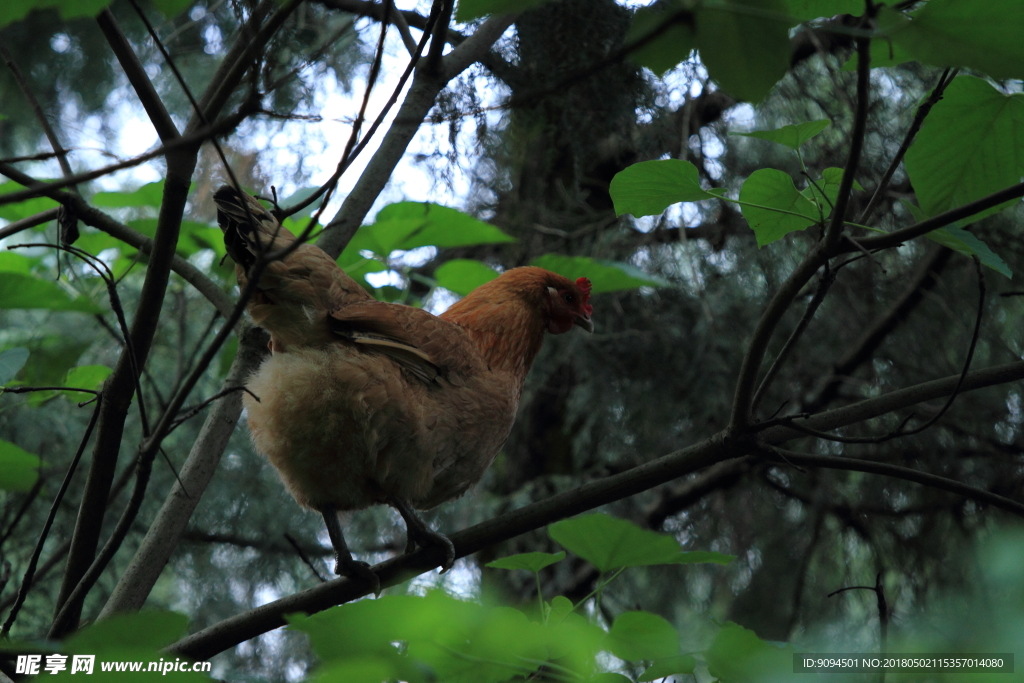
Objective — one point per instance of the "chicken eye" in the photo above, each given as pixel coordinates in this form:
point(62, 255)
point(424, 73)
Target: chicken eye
point(568, 297)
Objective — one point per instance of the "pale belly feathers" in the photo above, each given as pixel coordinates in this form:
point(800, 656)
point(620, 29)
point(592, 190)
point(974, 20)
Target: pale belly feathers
point(348, 428)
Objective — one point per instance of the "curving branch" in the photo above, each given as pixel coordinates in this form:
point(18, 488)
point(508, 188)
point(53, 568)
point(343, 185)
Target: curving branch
point(906, 473)
point(717, 449)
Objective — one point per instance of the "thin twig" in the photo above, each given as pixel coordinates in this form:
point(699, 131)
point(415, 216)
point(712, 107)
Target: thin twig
point(51, 135)
point(922, 111)
point(29, 222)
point(352, 149)
point(302, 555)
point(898, 472)
point(835, 227)
point(827, 278)
point(26, 582)
point(192, 412)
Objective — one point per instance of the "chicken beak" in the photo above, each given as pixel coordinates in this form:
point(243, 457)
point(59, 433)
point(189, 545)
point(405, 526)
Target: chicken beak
point(584, 321)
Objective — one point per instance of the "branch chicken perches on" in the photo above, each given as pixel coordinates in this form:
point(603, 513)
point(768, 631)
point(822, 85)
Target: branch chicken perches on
point(364, 402)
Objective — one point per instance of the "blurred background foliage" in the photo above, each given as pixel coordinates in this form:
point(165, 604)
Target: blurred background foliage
point(657, 375)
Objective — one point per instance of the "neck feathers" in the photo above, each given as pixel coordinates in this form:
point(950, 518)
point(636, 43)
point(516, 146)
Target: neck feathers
point(505, 327)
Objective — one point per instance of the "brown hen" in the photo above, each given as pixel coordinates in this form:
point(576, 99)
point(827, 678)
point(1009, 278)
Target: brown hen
point(365, 402)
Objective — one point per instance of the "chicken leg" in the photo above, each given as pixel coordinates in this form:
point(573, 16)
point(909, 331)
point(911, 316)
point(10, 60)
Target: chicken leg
point(419, 534)
point(344, 564)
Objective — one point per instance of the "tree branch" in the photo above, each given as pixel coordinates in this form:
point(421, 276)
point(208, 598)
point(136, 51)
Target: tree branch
point(135, 584)
point(418, 103)
point(906, 473)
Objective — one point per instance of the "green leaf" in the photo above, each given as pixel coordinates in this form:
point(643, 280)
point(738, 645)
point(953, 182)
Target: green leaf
point(609, 677)
point(650, 187)
point(770, 189)
point(829, 184)
point(462, 276)
point(737, 655)
point(356, 670)
point(605, 276)
point(24, 291)
point(146, 630)
point(985, 36)
point(668, 666)
point(970, 145)
point(15, 10)
point(26, 208)
point(672, 46)
point(561, 607)
point(86, 377)
point(961, 241)
point(642, 635)
point(171, 8)
point(150, 194)
point(19, 469)
point(533, 562)
point(744, 45)
point(11, 363)
point(407, 225)
point(791, 136)
point(805, 10)
point(609, 543)
point(11, 262)
point(96, 242)
point(474, 9)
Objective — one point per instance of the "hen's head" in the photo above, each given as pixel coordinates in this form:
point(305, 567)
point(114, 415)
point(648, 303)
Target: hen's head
point(568, 304)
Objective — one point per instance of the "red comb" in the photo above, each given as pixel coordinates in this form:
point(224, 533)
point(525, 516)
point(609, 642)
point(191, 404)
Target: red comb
point(583, 284)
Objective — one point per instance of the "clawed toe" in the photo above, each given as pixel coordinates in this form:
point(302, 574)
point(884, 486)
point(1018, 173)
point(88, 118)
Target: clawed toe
point(357, 570)
point(429, 537)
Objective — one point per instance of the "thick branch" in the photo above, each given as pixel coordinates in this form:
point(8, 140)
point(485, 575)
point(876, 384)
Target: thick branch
point(719, 448)
point(418, 102)
point(165, 532)
point(898, 237)
point(239, 628)
point(137, 76)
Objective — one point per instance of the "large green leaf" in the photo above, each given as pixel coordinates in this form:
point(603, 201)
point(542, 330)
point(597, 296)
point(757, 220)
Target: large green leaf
point(961, 241)
point(781, 208)
point(650, 187)
point(25, 291)
point(971, 145)
point(737, 655)
point(804, 10)
point(744, 44)
point(19, 469)
point(642, 635)
point(11, 363)
point(791, 136)
point(150, 194)
point(146, 630)
point(26, 208)
point(14, 10)
point(11, 262)
point(668, 666)
point(826, 191)
point(985, 36)
point(172, 8)
point(605, 276)
point(674, 42)
point(610, 543)
point(533, 562)
point(474, 9)
point(407, 225)
point(462, 276)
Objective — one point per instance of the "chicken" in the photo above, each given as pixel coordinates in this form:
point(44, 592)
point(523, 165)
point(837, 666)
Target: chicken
point(364, 402)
